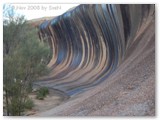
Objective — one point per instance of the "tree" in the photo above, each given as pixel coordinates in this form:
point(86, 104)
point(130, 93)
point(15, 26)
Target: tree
point(25, 60)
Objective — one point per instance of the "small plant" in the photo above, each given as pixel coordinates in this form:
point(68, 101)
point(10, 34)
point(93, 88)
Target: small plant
point(39, 96)
point(29, 104)
point(42, 92)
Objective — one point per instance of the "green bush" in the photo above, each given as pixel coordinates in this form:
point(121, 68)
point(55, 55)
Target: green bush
point(29, 104)
point(39, 96)
point(15, 107)
point(42, 92)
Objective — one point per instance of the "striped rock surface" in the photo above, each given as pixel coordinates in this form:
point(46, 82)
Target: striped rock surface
point(103, 57)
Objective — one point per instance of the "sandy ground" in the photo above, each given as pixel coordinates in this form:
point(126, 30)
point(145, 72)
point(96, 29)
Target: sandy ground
point(50, 101)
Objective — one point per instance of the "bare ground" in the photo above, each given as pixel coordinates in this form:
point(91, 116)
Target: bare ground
point(50, 101)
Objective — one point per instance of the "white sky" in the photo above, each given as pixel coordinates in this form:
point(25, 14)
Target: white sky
point(32, 11)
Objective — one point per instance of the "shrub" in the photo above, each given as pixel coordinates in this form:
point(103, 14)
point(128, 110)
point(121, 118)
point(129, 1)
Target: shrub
point(42, 92)
point(39, 96)
point(29, 104)
point(15, 107)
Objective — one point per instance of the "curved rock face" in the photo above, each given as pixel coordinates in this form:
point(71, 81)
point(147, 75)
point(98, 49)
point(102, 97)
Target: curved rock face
point(106, 53)
point(90, 42)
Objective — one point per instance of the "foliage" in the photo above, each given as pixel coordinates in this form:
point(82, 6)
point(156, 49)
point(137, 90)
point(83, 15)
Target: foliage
point(24, 60)
point(28, 104)
point(42, 92)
